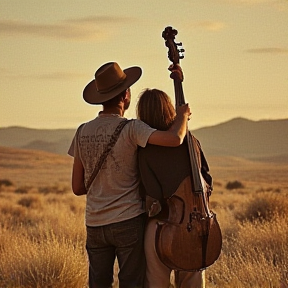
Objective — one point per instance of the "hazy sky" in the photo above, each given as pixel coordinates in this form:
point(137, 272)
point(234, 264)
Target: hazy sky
point(235, 65)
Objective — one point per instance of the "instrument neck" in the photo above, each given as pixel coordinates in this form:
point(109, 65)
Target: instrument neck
point(179, 94)
point(196, 181)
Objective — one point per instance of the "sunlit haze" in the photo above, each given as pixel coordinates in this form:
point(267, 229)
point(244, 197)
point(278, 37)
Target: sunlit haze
point(235, 64)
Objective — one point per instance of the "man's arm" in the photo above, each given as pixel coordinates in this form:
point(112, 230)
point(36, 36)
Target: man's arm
point(176, 134)
point(78, 185)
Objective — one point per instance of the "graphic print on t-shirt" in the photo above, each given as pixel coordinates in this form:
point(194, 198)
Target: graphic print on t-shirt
point(92, 147)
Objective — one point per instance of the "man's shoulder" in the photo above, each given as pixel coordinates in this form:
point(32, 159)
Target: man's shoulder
point(103, 121)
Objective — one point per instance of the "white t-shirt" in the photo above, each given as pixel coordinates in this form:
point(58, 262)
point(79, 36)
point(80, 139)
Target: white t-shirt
point(114, 194)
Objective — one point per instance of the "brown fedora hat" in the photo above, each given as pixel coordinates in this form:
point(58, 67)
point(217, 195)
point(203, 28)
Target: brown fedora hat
point(110, 80)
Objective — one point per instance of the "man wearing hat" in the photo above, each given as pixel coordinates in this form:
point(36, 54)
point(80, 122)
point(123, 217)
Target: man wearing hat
point(115, 216)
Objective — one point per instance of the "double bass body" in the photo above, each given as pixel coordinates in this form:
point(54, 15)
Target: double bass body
point(189, 239)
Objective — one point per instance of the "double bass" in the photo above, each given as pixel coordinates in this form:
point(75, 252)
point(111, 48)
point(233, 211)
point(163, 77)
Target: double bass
point(189, 239)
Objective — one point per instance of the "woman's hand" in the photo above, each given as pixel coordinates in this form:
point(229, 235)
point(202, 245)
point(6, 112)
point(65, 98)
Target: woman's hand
point(184, 110)
point(176, 72)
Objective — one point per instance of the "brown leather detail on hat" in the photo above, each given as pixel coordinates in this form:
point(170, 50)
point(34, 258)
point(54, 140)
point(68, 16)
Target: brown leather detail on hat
point(108, 77)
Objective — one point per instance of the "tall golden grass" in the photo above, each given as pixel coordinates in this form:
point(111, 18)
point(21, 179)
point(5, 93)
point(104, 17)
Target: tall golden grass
point(42, 240)
point(42, 232)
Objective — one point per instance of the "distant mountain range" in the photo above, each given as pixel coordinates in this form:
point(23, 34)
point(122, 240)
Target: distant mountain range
point(50, 140)
point(265, 139)
point(239, 137)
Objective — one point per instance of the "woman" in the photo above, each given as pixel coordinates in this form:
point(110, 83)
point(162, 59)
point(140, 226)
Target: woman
point(162, 170)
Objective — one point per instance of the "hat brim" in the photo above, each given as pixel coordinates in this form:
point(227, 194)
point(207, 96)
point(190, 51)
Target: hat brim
point(92, 96)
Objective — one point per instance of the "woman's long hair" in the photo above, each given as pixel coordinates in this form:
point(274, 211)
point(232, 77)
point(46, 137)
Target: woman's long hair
point(155, 109)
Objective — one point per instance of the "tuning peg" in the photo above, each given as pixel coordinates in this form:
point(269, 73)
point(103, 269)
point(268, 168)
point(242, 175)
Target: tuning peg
point(181, 53)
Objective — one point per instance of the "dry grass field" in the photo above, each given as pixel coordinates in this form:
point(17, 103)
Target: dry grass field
point(42, 237)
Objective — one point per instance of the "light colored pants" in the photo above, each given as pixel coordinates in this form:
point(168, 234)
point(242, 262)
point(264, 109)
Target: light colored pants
point(158, 275)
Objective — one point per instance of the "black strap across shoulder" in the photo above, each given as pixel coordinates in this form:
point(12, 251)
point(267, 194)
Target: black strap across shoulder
point(106, 151)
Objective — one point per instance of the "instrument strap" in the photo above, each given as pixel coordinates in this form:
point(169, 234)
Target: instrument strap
point(106, 151)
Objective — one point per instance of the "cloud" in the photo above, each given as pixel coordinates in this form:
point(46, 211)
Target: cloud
point(249, 2)
point(89, 28)
point(269, 50)
point(280, 5)
point(59, 76)
point(210, 25)
point(101, 20)
point(53, 76)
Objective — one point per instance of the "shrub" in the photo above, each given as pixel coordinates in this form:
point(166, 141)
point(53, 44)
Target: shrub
point(53, 189)
point(30, 202)
point(22, 190)
point(264, 206)
point(234, 185)
point(5, 182)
